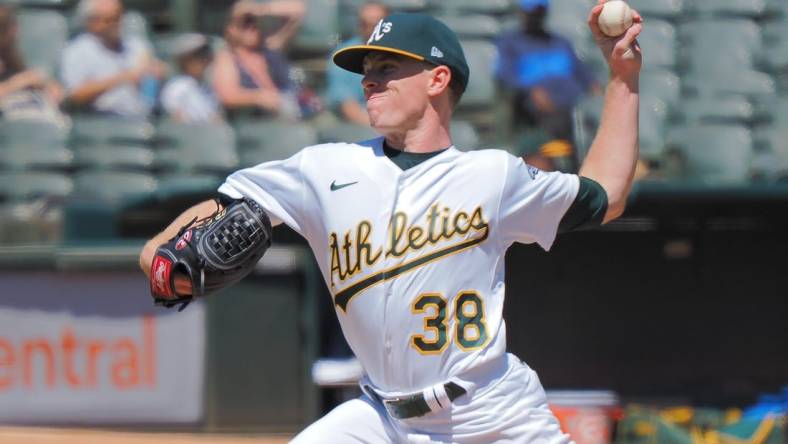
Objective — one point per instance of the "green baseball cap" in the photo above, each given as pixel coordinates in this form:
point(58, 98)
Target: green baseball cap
point(414, 35)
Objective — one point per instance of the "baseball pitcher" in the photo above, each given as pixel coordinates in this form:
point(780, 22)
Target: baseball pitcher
point(410, 234)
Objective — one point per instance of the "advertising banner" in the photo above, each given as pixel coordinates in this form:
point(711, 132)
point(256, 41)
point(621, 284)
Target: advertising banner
point(92, 348)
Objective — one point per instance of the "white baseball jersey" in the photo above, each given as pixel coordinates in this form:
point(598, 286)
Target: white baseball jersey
point(414, 259)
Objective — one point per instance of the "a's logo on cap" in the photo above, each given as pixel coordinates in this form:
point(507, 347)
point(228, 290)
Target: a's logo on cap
point(381, 29)
point(436, 53)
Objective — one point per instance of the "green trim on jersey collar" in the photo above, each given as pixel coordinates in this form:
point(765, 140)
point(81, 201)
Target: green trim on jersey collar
point(405, 160)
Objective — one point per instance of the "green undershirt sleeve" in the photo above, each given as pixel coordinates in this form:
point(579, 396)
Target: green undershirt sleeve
point(589, 208)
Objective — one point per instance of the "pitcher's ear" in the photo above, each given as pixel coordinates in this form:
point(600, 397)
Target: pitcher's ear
point(440, 79)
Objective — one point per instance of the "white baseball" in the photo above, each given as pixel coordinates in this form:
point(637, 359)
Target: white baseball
point(616, 18)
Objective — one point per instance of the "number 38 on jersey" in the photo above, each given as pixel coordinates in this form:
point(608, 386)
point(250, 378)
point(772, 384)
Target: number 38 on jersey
point(462, 321)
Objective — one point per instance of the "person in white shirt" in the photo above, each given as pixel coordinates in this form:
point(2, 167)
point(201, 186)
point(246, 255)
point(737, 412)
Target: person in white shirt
point(187, 98)
point(104, 71)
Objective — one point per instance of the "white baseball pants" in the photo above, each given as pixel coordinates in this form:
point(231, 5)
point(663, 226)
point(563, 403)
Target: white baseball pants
point(512, 409)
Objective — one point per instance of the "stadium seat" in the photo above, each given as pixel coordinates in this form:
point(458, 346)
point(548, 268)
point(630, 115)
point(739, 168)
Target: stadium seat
point(207, 148)
point(262, 141)
point(774, 147)
point(164, 44)
point(201, 158)
point(30, 223)
point(53, 4)
point(464, 135)
point(164, 48)
point(573, 11)
point(19, 186)
point(587, 114)
point(348, 18)
point(211, 17)
point(714, 153)
point(653, 116)
point(472, 26)
point(509, 22)
point(42, 36)
point(406, 5)
point(567, 18)
point(732, 81)
point(349, 8)
point(708, 64)
point(113, 185)
point(171, 185)
point(773, 31)
point(778, 110)
point(102, 130)
point(571, 28)
point(728, 33)
point(146, 7)
point(171, 134)
point(135, 25)
point(781, 80)
point(667, 9)
point(346, 132)
point(733, 34)
point(740, 8)
point(777, 7)
point(21, 158)
point(658, 40)
point(319, 32)
point(481, 57)
point(730, 109)
point(663, 84)
point(474, 6)
point(592, 57)
point(117, 157)
point(31, 133)
point(774, 56)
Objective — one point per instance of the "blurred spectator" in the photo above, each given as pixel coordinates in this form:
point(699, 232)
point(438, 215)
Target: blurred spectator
point(24, 93)
point(106, 72)
point(252, 72)
point(345, 94)
point(186, 98)
point(545, 80)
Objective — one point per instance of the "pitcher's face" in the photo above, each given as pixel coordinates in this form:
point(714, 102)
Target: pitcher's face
point(395, 88)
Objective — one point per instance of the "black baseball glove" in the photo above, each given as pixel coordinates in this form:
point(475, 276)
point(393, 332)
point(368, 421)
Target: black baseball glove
point(212, 253)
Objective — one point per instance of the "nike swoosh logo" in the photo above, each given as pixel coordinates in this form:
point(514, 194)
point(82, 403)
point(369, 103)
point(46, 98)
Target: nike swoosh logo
point(335, 187)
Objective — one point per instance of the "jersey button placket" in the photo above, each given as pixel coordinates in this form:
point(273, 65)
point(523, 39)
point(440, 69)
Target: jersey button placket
point(389, 287)
point(387, 294)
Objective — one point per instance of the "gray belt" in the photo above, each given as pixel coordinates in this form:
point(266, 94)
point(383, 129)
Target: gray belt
point(411, 406)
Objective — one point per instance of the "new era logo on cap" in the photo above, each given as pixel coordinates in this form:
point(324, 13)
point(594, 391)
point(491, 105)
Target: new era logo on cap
point(436, 53)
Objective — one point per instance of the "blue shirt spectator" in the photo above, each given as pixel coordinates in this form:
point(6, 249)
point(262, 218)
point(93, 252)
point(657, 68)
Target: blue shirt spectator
point(546, 61)
point(342, 84)
point(544, 80)
point(345, 95)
